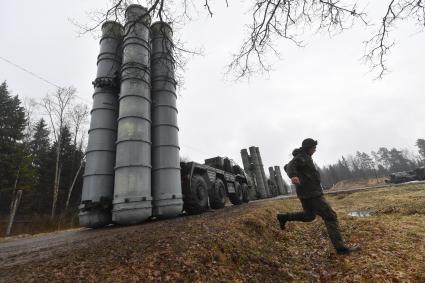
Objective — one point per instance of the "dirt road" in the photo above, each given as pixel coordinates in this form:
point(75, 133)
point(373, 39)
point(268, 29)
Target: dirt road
point(19, 251)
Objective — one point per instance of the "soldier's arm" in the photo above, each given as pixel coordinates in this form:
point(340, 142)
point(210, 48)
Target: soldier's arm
point(293, 167)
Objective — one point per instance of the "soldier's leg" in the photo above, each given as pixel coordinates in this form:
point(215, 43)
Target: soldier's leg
point(306, 215)
point(322, 208)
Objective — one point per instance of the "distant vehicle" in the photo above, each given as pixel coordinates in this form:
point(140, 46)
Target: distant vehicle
point(417, 174)
point(420, 173)
point(207, 185)
point(402, 177)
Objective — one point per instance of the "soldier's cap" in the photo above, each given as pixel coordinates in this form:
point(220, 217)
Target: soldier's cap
point(309, 142)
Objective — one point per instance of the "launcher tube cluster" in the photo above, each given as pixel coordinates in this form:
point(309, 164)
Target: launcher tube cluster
point(252, 165)
point(122, 183)
point(254, 168)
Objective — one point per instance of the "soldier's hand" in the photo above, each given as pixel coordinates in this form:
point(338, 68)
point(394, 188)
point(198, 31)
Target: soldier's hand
point(295, 180)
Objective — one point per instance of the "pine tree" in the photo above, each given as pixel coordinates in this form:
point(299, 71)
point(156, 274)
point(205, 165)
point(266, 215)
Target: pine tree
point(40, 142)
point(398, 161)
point(384, 157)
point(69, 155)
point(12, 125)
point(420, 143)
point(43, 164)
point(344, 169)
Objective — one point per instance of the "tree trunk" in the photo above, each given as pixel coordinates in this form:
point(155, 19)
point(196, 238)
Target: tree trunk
point(15, 185)
point(73, 183)
point(56, 183)
point(15, 205)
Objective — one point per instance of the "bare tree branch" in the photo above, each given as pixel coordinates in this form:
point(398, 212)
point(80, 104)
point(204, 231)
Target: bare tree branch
point(281, 19)
point(78, 115)
point(207, 6)
point(377, 48)
point(275, 20)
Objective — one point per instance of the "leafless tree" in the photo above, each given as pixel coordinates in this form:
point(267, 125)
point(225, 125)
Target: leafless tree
point(74, 181)
point(380, 43)
point(57, 106)
point(78, 116)
point(14, 207)
point(272, 20)
point(30, 105)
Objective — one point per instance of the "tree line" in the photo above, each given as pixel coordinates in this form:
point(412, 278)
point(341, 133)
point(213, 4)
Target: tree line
point(44, 158)
point(41, 158)
point(379, 163)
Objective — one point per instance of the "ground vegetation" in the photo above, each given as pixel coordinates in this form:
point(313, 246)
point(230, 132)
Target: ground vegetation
point(243, 244)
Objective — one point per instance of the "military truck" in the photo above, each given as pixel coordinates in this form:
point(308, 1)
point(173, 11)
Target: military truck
point(420, 173)
point(401, 177)
point(207, 185)
point(417, 174)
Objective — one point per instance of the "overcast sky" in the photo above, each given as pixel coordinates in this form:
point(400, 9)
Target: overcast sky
point(321, 91)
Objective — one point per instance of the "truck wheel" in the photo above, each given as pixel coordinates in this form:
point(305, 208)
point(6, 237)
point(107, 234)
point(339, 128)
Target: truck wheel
point(245, 196)
point(218, 195)
point(196, 201)
point(237, 197)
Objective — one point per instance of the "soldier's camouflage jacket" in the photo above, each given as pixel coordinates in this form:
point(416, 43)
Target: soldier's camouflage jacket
point(302, 166)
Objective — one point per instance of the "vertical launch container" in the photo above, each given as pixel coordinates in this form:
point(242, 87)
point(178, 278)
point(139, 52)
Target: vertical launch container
point(98, 185)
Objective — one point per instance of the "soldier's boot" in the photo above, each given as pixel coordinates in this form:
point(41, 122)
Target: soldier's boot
point(347, 250)
point(336, 239)
point(282, 218)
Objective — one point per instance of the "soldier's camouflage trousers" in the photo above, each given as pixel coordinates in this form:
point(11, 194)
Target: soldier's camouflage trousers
point(319, 206)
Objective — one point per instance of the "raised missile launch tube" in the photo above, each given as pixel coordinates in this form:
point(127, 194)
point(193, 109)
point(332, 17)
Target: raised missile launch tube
point(272, 176)
point(245, 161)
point(284, 185)
point(273, 183)
point(132, 191)
point(252, 193)
point(257, 171)
point(280, 182)
point(166, 181)
point(263, 173)
point(98, 185)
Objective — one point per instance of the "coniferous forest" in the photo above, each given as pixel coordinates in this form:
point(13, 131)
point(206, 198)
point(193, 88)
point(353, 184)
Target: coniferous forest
point(379, 163)
point(41, 155)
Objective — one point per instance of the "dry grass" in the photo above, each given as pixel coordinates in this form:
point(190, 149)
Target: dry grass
point(362, 183)
point(404, 200)
point(36, 224)
point(245, 244)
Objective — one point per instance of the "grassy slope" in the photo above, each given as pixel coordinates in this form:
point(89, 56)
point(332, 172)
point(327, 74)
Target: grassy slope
point(362, 183)
point(245, 244)
point(39, 224)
